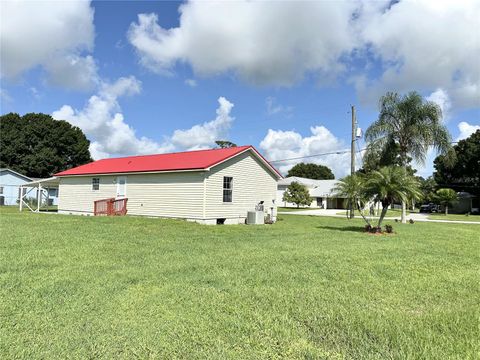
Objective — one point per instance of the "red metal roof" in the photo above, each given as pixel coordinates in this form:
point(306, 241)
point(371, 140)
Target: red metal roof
point(180, 161)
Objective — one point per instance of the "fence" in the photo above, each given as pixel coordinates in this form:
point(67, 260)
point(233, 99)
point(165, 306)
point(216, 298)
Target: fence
point(110, 207)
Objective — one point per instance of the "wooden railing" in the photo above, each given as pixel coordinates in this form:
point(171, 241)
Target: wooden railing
point(110, 207)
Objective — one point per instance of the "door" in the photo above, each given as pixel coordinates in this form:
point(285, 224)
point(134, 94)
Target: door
point(121, 187)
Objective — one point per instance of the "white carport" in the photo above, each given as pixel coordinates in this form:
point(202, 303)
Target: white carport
point(42, 187)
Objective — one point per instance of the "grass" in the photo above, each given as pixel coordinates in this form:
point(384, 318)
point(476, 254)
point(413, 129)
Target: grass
point(289, 209)
point(456, 217)
point(304, 288)
point(390, 212)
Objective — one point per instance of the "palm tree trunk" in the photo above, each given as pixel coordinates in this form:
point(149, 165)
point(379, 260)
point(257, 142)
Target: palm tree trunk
point(403, 157)
point(361, 213)
point(446, 210)
point(382, 215)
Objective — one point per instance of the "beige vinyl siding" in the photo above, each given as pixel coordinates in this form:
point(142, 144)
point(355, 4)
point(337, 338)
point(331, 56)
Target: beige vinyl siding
point(178, 194)
point(75, 194)
point(252, 183)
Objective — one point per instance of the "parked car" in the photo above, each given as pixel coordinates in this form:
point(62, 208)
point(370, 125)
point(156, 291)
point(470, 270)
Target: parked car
point(429, 208)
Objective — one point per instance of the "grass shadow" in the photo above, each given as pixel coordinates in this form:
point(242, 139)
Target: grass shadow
point(356, 229)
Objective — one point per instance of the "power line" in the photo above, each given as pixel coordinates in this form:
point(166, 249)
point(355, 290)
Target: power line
point(340, 152)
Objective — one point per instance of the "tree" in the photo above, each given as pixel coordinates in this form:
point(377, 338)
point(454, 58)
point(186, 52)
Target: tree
point(464, 175)
point(38, 146)
point(352, 187)
point(223, 144)
point(390, 184)
point(311, 171)
point(407, 126)
point(446, 197)
point(427, 187)
point(297, 194)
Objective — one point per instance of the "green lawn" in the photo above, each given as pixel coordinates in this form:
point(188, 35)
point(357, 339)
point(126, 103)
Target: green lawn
point(289, 209)
point(306, 287)
point(457, 217)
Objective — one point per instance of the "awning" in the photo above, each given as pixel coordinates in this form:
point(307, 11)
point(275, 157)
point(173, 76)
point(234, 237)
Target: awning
point(51, 182)
point(41, 187)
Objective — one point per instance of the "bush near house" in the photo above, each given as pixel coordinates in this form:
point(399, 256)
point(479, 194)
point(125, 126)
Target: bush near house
point(297, 194)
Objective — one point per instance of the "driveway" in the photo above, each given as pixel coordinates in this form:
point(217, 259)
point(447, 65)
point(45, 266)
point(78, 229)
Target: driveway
point(414, 216)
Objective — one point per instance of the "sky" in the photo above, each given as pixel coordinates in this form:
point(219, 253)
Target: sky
point(143, 77)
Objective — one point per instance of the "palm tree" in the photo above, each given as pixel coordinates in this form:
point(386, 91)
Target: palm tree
point(446, 197)
point(351, 187)
point(389, 184)
point(406, 127)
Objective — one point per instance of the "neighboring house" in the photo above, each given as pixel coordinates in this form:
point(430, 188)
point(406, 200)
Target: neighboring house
point(321, 192)
point(467, 203)
point(10, 182)
point(207, 186)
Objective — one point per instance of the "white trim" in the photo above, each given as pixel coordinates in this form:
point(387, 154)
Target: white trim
point(51, 180)
point(16, 173)
point(259, 157)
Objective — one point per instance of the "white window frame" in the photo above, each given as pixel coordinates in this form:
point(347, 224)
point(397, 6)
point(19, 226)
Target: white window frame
point(93, 179)
point(227, 189)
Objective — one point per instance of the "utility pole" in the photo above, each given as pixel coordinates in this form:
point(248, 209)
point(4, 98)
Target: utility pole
point(352, 164)
point(352, 155)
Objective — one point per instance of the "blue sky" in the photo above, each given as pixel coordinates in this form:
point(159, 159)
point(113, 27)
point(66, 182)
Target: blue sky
point(280, 76)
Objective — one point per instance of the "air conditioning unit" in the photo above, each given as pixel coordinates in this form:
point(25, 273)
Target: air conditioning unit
point(255, 218)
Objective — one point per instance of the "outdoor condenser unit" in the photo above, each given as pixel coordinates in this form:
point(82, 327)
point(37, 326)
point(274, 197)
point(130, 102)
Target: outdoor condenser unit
point(255, 218)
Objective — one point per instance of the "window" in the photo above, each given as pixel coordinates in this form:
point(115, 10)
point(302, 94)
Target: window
point(227, 189)
point(95, 183)
point(1, 189)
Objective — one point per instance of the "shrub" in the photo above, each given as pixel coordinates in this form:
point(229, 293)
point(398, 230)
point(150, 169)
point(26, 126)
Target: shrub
point(411, 221)
point(389, 228)
point(368, 228)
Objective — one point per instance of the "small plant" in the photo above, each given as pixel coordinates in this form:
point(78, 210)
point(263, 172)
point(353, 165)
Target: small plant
point(411, 221)
point(396, 220)
point(389, 228)
point(368, 228)
point(375, 229)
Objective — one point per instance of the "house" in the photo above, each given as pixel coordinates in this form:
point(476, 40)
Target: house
point(467, 203)
point(11, 182)
point(321, 192)
point(207, 186)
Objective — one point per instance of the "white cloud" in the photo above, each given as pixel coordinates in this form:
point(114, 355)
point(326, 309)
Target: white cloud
point(419, 45)
point(5, 96)
point(204, 135)
point(279, 145)
point(274, 108)
point(441, 98)
point(466, 130)
point(262, 42)
point(52, 34)
point(73, 72)
point(424, 45)
point(103, 123)
point(191, 82)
